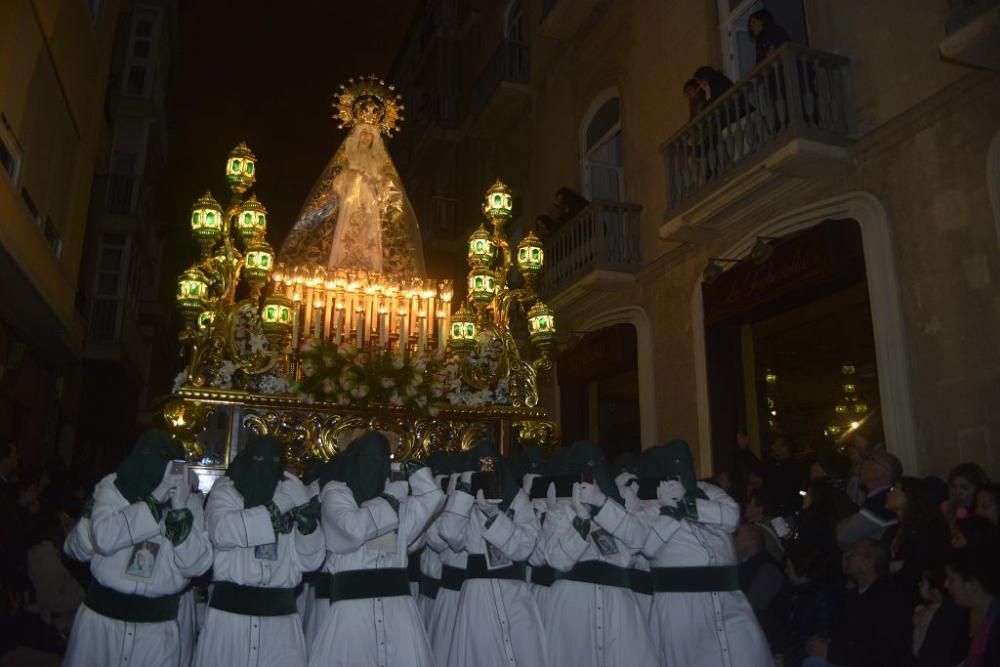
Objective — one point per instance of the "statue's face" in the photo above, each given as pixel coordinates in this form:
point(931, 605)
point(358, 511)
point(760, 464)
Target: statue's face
point(367, 137)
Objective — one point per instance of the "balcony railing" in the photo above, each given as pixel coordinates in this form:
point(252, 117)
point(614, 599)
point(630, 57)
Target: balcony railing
point(116, 193)
point(508, 64)
point(103, 323)
point(797, 93)
point(602, 237)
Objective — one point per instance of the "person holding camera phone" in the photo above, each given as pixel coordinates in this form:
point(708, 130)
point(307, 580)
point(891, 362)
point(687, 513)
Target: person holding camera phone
point(699, 618)
point(370, 524)
point(498, 622)
point(146, 547)
point(264, 529)
point(591, 614)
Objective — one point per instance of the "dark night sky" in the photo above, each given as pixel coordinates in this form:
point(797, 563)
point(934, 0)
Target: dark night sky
point(266, 72)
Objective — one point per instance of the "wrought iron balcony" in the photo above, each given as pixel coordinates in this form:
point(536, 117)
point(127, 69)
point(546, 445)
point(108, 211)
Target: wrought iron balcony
point(501, 92)
point(973, 29)
point(787, 117)
point(601, 239)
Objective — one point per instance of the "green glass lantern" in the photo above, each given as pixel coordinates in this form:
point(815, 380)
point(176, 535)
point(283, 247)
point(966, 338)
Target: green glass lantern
point(241, 168)
point(463, 330)
point(499, 202)
point(258, 263)
point(481, 248)
point(206, 318)
point(251, 224)
point(276, 316)
point(530, 256)
point(541, 324)
point(482, 285)
point(192, 293)
point(206, 222)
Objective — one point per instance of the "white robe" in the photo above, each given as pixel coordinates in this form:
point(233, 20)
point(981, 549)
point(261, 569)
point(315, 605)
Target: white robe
point(712, 629)
point(115, 526)
point(430, 566)
point(498, 624)
point(537, 557)
point(444, 612)
point(187, 612)
point(238, 639)
point(590, 625)
point(386, 632)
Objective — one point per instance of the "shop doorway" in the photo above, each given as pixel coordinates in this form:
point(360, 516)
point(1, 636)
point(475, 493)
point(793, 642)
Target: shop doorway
point(599, 391)
point(789, 344)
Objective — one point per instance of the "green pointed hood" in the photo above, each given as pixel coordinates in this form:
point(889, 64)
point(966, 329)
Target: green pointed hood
point(144, 467)
point(672, 461)
point(257, 469)
point(368, 465)
point(586, 454)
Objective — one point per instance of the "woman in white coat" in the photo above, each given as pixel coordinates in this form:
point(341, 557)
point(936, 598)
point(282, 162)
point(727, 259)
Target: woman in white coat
point(699, 618)
point(144, 554)
point(369, 527)
point(264, 529)
point(498, 624)
point(591, 614)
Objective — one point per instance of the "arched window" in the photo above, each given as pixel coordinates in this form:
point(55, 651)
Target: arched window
point(602, 151)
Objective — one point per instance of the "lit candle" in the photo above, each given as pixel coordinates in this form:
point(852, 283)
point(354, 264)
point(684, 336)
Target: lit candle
point(339, 331)
point(403, 337)
point(441, 338)
point(318, 315)
point(421, 331)
point(296, 301)
point(360, 319)
point(383, 327)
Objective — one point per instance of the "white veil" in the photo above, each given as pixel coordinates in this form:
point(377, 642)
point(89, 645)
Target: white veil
point(357, 215)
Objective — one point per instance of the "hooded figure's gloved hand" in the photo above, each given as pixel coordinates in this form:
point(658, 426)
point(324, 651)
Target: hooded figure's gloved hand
point(591, 494)
point(287, 497)
point(180, 495)
point(465, 482)
point(581, 510)
point(550, 496)
point(410, 466)
point(295, 488)
point(162, 490)
point(453, 483)
point(398, 490)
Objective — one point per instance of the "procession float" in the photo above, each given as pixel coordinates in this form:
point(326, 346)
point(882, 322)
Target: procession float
point(341, 330)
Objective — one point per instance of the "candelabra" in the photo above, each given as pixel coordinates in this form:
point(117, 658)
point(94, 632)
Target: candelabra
point(485, 317)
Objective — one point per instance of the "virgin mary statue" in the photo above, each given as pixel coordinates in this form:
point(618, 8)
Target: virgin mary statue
point(357, 215)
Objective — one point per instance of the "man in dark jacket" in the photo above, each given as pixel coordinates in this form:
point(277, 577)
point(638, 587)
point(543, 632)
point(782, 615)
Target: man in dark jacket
point(876, 626)
point(878, 474)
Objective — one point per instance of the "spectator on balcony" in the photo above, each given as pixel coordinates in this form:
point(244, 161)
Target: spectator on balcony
point(712, 82)
point(964, 482)
point(695, 97)
point(768, 36)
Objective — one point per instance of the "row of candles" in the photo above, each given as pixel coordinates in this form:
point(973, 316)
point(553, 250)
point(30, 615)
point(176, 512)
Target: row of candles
point(368, 320)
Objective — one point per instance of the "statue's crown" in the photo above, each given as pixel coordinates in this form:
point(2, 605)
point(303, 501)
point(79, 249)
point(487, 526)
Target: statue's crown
point(369, 100)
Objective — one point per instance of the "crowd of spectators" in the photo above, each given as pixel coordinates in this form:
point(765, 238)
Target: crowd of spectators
point(848, 561)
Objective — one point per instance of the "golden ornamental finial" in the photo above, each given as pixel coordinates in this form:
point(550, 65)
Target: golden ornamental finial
point(371, 101)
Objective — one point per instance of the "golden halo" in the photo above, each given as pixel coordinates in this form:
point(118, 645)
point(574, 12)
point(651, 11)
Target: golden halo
point(369, 100)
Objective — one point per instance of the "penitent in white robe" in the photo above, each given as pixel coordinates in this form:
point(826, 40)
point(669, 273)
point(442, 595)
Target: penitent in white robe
point(498, 624)
point(430, 566)
point(444, 612)
point(238, 639)
point(115, 527)
point(187, 613)
point(711, 629)
point(590, 625)
point(370, 632)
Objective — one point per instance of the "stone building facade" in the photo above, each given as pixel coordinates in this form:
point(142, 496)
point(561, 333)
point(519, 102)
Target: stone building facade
point(882, 116)
point(54, 61)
